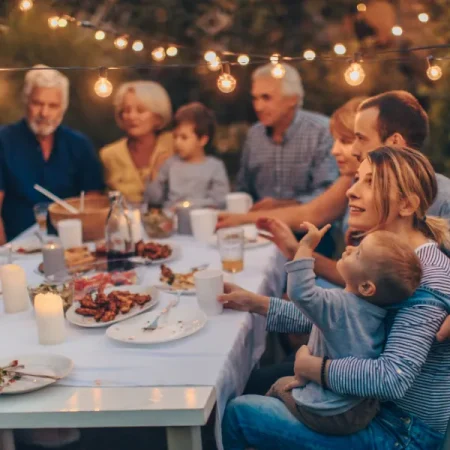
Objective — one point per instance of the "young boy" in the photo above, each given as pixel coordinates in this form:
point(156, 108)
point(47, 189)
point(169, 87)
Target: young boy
point(191, 175)
point(380, 272)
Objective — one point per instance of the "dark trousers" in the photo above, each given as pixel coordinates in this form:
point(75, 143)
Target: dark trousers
point(262, 379)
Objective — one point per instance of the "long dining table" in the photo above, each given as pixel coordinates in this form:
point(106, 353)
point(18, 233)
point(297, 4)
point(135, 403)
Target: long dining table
point(175, 385)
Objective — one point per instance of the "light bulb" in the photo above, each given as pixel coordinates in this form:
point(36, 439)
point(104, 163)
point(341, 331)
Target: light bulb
point(361, 7)
point(340, 49)
point(171, 51)
point(138, 46)
point(53, 22)
point(226, 83)
point(275, 58)
point(309, 55)
point(210, 56)
point(354, 75)
point(278, 71)
point(121, 42)
point(100, 35)
point(103, 87)
point(243, 60)
point(215, 64)
point(26, 5)
point(423, 17)
point(158, 54)
point(434, 72)
point(62, 23)
point(397, 30)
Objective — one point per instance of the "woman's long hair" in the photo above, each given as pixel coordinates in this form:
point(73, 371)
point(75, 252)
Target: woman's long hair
point(411, 174)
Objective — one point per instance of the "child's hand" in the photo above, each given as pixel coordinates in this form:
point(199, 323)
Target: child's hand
point(313, 236)
point(297, 382)
point(281, 235)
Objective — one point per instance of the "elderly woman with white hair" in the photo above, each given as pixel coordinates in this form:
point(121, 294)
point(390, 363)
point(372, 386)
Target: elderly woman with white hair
point(38, 149)
point(142, 110)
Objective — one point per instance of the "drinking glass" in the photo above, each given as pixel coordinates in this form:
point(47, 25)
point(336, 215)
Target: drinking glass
point(40, 213)
point(231, 248)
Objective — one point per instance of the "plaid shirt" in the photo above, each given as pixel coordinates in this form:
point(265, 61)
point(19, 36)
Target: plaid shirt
point(300, 168)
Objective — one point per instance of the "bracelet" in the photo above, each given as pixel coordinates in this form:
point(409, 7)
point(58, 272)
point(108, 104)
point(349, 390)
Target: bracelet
point(322, 372)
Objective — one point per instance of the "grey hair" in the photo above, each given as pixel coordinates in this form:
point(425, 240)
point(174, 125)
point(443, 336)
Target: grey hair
point(151, 94)
point(46, 78)
point(291, 83)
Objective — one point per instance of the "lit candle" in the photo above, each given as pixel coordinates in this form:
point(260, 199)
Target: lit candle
point(136, 225)
point(53, 255)
point(50, 319)
point(183, 210)
point(15, 293)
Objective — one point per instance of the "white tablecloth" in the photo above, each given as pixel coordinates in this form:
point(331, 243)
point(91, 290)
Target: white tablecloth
point(222, 354)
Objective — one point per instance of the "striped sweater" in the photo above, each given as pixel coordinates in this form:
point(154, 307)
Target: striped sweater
point(413, 370)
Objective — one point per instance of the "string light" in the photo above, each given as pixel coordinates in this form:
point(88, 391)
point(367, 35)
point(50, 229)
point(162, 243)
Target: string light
point(158, 54)
point(26, 5)
point(423, 17)
point(103, 87)
point(226, 82)
point(397, 30)
point(340, 49)
point(121, 42)
point(243, 60)
point(354, 75)
point(53, 22)
point(215, 64)
point(309, 55)
point(138, 46)
point(275, 58)
point(62, 22)
point(434, 72)
point(361, 7)
point(171, 51)
point(100, 35)
point(278, 71)
point(210, 56)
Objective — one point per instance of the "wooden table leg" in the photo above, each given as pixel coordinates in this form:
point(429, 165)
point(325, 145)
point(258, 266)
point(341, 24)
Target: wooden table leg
point(184, 438)
point(7, 440)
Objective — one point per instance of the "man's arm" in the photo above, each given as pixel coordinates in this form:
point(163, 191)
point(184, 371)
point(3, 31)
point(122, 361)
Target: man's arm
point(91, 171)
point(322, 210)
point(243, 177)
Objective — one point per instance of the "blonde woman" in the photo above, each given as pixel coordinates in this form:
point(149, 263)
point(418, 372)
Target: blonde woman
point(142, 110)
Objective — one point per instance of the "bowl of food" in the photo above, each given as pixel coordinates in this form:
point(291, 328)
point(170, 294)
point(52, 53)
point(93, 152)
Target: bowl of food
point(64, 290)
point(158, 223)
point(93, 217)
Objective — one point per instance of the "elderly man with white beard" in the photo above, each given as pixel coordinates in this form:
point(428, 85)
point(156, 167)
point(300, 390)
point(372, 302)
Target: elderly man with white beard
point(38, 149)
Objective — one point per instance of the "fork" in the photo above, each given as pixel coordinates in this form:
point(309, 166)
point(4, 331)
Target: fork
point(154, 325)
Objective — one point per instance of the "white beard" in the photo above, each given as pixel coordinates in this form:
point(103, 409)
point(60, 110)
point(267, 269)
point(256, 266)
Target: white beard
point(40, 129)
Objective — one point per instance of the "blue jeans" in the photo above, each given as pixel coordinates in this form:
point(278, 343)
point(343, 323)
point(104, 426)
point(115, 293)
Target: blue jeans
point(265, 423)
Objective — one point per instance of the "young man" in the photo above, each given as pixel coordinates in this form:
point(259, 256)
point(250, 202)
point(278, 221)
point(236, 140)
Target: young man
point(38, 149)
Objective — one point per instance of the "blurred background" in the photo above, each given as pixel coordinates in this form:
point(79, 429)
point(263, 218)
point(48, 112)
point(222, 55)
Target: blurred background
point(255, 27)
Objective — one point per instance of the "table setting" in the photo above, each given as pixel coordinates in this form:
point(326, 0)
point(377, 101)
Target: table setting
point(134, 322)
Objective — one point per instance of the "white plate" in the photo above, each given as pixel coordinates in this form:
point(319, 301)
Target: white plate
point(30, 244)
point(54, 365)
point(89, 322)
point(168, 288)
point(182, 321)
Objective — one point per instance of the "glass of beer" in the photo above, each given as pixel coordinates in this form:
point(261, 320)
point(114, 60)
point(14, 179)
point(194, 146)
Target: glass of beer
point(40, 213)
point(231, 248)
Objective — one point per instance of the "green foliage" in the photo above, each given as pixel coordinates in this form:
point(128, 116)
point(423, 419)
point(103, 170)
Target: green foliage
point(251, 26)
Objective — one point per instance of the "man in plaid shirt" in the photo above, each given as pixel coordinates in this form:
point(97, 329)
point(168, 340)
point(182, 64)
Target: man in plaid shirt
point(286, 157)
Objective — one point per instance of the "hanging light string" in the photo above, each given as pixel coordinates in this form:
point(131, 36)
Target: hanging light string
point(354, 75)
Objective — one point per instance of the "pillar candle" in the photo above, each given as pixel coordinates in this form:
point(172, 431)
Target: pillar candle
point(50, 318)
point(183, 217)
point(15, 293)
point(53, 255)
point(136, 225)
